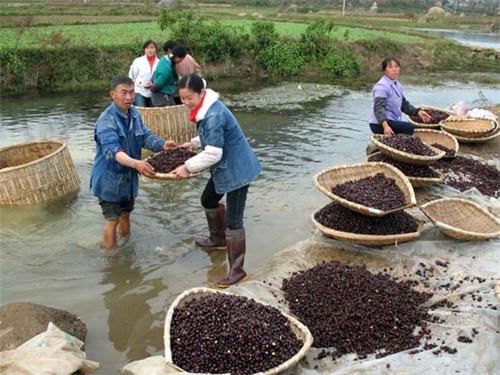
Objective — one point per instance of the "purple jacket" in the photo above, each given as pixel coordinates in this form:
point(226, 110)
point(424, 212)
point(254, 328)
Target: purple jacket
point(392, 91)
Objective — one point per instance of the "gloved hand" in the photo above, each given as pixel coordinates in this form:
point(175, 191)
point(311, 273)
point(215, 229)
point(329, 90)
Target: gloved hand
point(154, 88)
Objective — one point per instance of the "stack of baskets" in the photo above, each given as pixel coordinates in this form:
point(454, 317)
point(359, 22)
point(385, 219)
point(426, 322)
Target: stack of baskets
point(470, 130)
point(330, 177)
point(429, 137)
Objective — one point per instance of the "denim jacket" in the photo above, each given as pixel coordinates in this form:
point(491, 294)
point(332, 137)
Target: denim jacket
point(110, 181)
point(239, 165)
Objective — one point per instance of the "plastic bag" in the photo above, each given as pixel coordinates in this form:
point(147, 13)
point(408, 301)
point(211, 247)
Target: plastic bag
point(460, 108)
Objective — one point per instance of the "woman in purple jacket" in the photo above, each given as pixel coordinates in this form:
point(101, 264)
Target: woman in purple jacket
point(389, 103)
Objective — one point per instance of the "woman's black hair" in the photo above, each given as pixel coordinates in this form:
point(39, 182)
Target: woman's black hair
point(169, 45)
point(387, 61)
point(193, 82)
point(148, 42)
point(179, 51)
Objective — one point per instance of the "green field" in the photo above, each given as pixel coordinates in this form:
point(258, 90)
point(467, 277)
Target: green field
point(125, 33)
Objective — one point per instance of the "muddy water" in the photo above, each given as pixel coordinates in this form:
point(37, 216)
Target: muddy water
point(50, 254)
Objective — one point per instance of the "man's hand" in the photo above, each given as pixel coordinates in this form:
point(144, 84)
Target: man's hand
point(154, 88)
point(144, 168)
point(387, 129)
point(181, 171)
point(169, 144)
point(424, 116)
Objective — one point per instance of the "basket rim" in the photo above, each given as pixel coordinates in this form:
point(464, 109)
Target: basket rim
point(449, 227)
point(424, 125)
point(160, 109)
point(488, 137)
point(62, 145)
point(347, 203)
point(465, 130)
point(440, 132)
point(427, 180)
point(306, 342)
point(367, 237)
point(439, 153)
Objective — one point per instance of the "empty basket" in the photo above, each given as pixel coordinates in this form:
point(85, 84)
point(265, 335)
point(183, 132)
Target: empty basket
point(485, 138)
point(169, 122)
point(462, 219)
point(467, 127)
point(36, 172)
point(300, 330)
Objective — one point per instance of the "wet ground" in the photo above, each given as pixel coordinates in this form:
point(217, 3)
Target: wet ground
point(50, 254)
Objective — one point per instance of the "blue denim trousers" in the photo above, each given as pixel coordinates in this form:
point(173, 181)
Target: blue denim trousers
point(399, 127)
point(142, 101)
point(235, 203)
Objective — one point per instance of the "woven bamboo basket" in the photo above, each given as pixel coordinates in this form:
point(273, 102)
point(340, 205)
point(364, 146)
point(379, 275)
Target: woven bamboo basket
point(462, 219)
point(488, 137)
point(467, 127)
point(424, 125)
point(300, 330)
point(36, 172)
point(430, 137)
point(170, 176)
point(330, 177)
point(169, 122)
point(367, 239)
point(416, 181)
point(406, 157)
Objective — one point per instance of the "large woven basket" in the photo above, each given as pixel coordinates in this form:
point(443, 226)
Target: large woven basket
point(424, 125)
point(430, 137)
point(300, 330)
point(467, 127)
point(367, 239)
point(169, 122)
point(488, 137)
point(36, 172)
point(416, 181)
point(333, 176)
point(406, 157)
point(462, 219)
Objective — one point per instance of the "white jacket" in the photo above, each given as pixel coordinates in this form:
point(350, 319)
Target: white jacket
point(141, 73)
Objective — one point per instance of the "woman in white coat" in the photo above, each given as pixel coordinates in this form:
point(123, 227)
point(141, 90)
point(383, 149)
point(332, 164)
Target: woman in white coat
point(141, 72)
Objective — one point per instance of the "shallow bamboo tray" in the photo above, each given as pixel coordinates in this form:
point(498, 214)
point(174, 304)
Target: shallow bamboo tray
point(488, 137)
point(300, 330)
point(169, 122)
point(424, 125)
point(462, 219)
point(333, 176)
point(406, 157)
point(416, 181)
point(467, 127)
point(169, 176)
point(367, 239)
point(429, 137)
point(36, 172)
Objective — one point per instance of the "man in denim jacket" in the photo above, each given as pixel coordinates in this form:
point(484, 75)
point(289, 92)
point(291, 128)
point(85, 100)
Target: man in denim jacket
point(120, 135)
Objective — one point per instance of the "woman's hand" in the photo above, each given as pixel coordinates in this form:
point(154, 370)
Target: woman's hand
point(187, 145)
point(144, 168)
point(181, 171)
point(424, 116)
point(169, 144)
point(387, 129)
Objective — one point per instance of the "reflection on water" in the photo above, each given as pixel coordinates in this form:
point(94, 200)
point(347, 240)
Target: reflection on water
point(50, 253)
point(468, 37)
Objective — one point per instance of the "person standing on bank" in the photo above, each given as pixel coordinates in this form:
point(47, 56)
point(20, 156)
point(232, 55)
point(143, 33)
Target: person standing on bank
point(389, 103)
point(141, 72)
point(185, 65)
point(164, 80)
point(120, 135)
point(233, 166)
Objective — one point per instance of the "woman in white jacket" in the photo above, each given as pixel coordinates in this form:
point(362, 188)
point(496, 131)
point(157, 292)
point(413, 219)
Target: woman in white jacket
point(141, 72)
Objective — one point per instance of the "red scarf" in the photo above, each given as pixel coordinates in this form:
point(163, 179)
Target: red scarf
point(194, 112)
point(151, 61)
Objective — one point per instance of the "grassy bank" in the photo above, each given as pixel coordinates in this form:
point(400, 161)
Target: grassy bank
point(61, 57)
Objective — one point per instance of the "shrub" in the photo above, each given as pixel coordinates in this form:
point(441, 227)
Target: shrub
point(283, 58)
point(340, 63)
point(317, 40)
point(263, 34)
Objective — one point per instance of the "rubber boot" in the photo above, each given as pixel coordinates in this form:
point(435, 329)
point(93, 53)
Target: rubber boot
point(236, 247)
point(216, 227)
